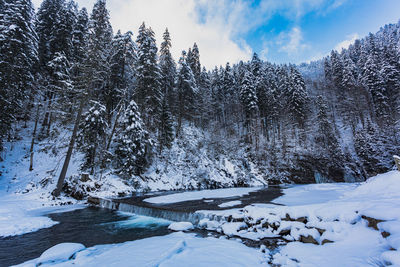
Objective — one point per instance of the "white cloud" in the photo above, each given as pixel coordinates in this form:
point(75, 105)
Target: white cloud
point(214, 36)
point(346, 43)
point(292, 42)
point(217, 26)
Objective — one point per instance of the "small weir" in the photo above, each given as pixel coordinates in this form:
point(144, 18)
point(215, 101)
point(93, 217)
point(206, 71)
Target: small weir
point(186, 210)
point(170, 215)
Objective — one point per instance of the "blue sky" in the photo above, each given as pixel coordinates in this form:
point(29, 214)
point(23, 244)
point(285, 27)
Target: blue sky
point(280, 31)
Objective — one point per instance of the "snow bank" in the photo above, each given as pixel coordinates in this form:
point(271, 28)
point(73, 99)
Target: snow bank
point(313, 193)
point(180, 226)
point(202, 194)
point(230, 204)
point(176, 249)
point(325, 225)
point(59, 253)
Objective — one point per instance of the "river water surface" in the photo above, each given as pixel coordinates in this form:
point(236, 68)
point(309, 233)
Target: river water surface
point(89, 226)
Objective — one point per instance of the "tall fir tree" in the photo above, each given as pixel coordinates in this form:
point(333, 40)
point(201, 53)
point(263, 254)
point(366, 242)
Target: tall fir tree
point(148, 93)
point(97, 68)
point(186, 89)
point(18, 57)
point(168, 72)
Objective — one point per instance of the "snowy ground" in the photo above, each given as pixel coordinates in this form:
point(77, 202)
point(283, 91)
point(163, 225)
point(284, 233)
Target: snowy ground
point(177, 249)
point(325, 224)
point(203, 194)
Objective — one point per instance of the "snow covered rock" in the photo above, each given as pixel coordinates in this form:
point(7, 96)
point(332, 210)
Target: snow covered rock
point(180, 226)
point(59, 253)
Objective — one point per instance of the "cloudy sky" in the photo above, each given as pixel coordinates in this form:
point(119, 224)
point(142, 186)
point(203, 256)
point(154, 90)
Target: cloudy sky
point(279, 31)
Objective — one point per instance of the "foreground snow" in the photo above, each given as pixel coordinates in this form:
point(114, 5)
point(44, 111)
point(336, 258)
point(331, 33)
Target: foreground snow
point(202, 194)
point(330, 225)
point(177, 249)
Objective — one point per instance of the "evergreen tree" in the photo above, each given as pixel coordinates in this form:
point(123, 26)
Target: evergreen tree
point(18, 56)
point(326, 138)
point(166, 131)
point(93, 131)
point(133, 144)
point(60, 83)
point(248, 96)
point(297, 97)
point(375, 83)
point(193, 60)
point(365, 144)
point(148, 90)
point(122, 66)
point(187, 88)
point(168, 71)
point(97, 68)
point(80, 36)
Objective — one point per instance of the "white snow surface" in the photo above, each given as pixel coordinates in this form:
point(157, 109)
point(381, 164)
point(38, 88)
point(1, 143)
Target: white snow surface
point(202, 194)
point(180, 226)
point(59, 252)
point(338, 209)
point(313, 193)
point(176, 249)
point(230, 204)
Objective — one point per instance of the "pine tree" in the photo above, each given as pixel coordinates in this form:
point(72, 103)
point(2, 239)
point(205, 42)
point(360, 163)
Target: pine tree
point(248, 96)
point(297, 97)
point(326, 138)
point(186, 89)
point(349, 80)
point(336, 68)
point(133, 147)
point(168, 71)
point(148, 90)
point(80, 36)
point(18, 56)
point(122, 66)
point(193, 60)
point(166, 131)
point(205, 101)
point(366, 144)
point(249, 100)
point(373, 80)
point(61, 84)
point(97, 68)
point(92, 135)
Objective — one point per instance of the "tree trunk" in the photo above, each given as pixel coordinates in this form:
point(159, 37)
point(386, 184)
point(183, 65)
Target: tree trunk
point(63, 173)
point(33, 138)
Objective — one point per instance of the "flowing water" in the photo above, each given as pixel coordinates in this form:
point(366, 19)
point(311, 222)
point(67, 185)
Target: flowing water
point(90, 226)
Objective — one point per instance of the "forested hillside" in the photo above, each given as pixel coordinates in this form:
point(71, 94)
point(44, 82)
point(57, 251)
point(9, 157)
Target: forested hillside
point(129, 109)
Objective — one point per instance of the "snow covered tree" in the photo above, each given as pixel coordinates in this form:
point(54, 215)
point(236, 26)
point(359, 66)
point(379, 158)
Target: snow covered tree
point(18, 56)
point(96, 69)
point(133, 145)
point(148, 93)
point(60, 83)
point(186, 89)
point(92, 135)
point(204, 105)
point(297, 97)
point(326, 138)
point(193, 60)
point(349, 80)
point(373, 80)
point(122, 67)
point(168, 71)
point(166, 129)
point(80, 36)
